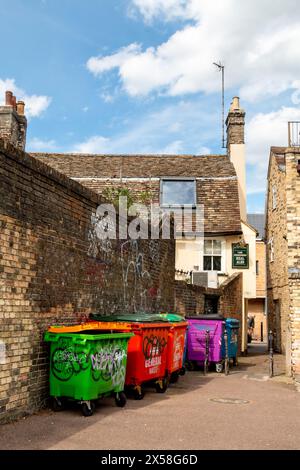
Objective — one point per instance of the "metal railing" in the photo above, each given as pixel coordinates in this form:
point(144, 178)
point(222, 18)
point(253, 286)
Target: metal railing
point(294, 133)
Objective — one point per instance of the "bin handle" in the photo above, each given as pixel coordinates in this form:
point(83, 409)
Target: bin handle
point(79, 341)
point(51, 337)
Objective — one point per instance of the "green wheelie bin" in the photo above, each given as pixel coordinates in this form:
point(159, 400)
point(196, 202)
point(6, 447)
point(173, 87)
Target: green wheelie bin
point(86, 367)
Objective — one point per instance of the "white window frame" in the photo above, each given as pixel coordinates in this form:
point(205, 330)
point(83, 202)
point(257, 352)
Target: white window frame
point(223, 255)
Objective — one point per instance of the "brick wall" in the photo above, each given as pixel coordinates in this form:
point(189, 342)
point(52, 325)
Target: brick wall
point(277, 271)
point(283, 274)
point(54, 269)
point(261, 277)
point(293, 240)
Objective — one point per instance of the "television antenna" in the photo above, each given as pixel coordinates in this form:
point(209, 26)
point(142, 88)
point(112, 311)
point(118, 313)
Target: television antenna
point(221, 68)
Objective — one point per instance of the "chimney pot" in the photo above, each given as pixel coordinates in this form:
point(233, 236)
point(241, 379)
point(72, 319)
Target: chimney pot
point(235, 105)
point(21, 108)
point(14, 102)
point(8, 98)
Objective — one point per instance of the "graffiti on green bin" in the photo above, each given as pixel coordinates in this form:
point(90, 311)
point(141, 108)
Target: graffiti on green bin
point(106, 363)
point(67, 362)
point(109, 364)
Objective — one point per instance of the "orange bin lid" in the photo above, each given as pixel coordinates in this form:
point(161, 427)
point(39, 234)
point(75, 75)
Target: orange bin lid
point(94, 325)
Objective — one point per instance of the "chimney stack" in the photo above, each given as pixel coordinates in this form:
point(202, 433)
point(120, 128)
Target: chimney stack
point(235, 123)
point(236, 149)
point(13, 122)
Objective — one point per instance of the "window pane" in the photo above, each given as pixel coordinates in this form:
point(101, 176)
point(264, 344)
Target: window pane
point(208, 247)
point(178, 193)
point(207, 263)
point(217, 247)
point(217, 263)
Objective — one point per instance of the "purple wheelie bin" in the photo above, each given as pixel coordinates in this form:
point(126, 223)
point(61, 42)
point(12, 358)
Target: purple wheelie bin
point(198, 328)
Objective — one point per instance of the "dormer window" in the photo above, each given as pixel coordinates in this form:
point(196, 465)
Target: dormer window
point(178, 192)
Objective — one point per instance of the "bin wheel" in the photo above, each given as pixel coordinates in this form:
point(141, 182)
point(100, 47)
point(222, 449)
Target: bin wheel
point(190, 365)
point(219, 367)
point(162, 385)
point(138, 393)
point(182, 371)
point(120, 399)
point(235, 361)
point(57, 404)
point(174, 377)
point(88, 409)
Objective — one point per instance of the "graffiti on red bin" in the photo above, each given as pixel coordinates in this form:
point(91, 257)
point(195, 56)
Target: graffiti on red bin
point(178, 349)
point(153, 348)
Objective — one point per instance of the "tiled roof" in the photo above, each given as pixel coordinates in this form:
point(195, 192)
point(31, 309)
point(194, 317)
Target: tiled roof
point(258, 222)
point(217, 186)
point(81, 165)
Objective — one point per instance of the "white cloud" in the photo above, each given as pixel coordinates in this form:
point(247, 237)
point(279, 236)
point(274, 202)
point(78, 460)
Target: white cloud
point(34, 105)
point(95, 144)
point(169, 9)
point(263, 131)
point(107, 97)
point(258, 42)
point(173, 148)
point(155, 132)
point(98, 65)
point(39, 145)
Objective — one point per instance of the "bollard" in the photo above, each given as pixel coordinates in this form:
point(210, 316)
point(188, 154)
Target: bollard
point(271, 355)
point(206, 360)
point(261, 332)
point(226, 368)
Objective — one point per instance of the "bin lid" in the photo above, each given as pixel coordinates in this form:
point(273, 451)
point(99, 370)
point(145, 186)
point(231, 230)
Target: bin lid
point(130, 317)
point(79, 338)
point(233, 322)
point(172, 317)
point(210, 316)
point(89, 326)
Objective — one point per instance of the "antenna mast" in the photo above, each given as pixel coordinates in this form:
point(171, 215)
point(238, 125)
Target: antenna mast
point(221, 69)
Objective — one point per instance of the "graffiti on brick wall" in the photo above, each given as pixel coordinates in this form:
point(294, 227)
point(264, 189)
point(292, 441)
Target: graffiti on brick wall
point(140, 293)
point(2, 353)
point(99, 245)
point(136, 278)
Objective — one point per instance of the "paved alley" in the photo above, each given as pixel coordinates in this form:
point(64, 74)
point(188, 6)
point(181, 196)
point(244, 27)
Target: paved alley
point(245, 410)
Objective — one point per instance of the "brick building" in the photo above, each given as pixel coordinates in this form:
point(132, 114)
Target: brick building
point(217, 182)
point(283, 251)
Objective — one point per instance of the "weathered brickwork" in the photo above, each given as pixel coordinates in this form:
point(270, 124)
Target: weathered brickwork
point(283, 273)
point(53, 269)
point(13, 126)
point(293, 229)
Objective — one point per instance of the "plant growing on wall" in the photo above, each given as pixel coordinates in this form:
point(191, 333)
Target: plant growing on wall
point(112, 195)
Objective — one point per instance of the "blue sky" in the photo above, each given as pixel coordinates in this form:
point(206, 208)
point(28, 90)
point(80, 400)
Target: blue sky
point(130, 76)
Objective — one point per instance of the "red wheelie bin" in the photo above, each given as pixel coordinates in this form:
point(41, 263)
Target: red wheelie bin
point(147, 353)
